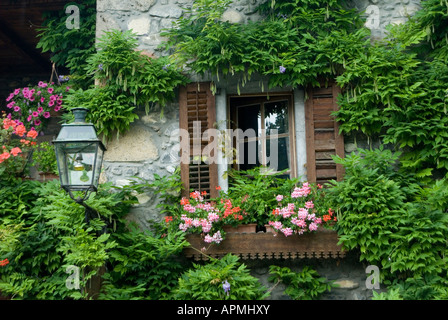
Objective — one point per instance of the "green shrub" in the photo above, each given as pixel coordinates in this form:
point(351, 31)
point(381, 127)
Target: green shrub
point(144, 265)
point(208, 282)
point(70, 48)
point(304, 285)
point(44, 158)
point(419, 246)
point(427, 287)
point(393, 223)
point(45, 231)
point(370, 207)
point(127, 80)
point(255, 191)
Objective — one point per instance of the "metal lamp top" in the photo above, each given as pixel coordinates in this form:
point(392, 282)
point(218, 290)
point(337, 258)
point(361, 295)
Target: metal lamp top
point(79, 130)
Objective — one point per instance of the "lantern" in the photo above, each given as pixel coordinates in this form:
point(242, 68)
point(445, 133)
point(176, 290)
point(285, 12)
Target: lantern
point(79, 155)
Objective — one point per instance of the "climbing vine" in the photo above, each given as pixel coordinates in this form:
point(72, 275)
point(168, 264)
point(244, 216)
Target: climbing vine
point(296, 43)
point(395, 88)
point(126, 80)
point(398, 88)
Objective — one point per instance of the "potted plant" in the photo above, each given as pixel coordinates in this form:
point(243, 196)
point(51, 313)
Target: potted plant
point(16, 145)
point(212, 219)
point(34, 106)
point(44, 159)
point(234, 218)
point(197, 216)
point(301, 211)
point(255, 190)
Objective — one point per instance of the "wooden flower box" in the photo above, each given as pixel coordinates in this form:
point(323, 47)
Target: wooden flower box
point(242, 228)
point(268, 245)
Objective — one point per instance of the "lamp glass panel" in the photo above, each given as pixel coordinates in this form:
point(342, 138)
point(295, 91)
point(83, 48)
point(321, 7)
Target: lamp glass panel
point(97, 169)
point(77, 163)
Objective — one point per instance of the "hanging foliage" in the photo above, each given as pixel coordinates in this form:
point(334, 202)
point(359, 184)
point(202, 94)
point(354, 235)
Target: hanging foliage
point(395, 87)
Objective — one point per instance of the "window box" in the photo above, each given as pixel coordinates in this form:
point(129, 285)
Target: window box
point(268, 245)
point(241, 228)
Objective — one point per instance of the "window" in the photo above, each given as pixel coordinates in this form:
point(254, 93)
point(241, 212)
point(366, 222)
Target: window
point(263, 132)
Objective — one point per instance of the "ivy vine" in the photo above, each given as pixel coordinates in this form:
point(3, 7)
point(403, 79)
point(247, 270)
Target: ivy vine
point(126, 79)
point(395, 87)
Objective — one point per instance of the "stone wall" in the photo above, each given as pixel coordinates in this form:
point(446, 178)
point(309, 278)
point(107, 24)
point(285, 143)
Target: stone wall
point(147, 18)
point(150, 148)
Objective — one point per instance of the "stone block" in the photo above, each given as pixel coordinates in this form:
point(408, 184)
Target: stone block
point(170, 169)
point(346, 284)
point(173, 12)
point(152, 118)
point(350, 147)
point(172, 129)
point(122, 183)
point(105, 22)
point(116, 171)
point(232, 16)
point(120, 5)
point(153, 40)
point(135, 145)
point(143, 198)
point(140, 25)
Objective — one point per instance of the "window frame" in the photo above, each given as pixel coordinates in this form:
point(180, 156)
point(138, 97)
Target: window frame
point(263, 98)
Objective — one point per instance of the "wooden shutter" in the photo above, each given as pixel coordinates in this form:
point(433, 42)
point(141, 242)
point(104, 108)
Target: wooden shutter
point(197, 103)
point(322, 135)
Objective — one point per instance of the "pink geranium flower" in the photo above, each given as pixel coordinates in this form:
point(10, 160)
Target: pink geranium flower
point(15, 151)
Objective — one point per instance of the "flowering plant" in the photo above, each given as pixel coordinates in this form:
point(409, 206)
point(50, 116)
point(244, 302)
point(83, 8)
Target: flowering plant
point(232, 210)
point(298, 212)
point(198, 216)
point(16, 146)
point(207, 217)
point(33, 106)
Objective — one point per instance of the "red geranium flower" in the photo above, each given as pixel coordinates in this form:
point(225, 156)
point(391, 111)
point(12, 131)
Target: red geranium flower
point(4, 262)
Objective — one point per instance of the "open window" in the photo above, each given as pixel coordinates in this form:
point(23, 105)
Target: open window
point(264, 132)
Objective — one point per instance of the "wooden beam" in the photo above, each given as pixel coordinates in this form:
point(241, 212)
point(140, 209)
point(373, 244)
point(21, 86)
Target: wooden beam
point(44, 4)
point(14, 41)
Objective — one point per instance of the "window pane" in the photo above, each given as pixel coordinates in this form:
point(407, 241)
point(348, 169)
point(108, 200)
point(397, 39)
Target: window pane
point(276, 116)
point(249, 117)
point(248, 155)
point(279, 159)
